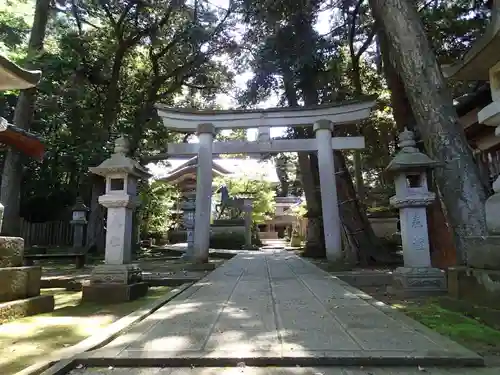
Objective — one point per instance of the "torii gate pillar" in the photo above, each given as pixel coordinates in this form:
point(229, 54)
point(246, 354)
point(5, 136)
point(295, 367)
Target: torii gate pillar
point(329, 201)
point(203, 193)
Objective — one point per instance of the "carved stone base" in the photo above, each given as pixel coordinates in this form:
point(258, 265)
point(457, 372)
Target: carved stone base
point(116, 274)
point(482, 252)
point(113, 293)
point(413, 281)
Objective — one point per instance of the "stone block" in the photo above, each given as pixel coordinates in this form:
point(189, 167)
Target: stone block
point(113, 293)
point(415, 281)
point(11, 251)
point(26, 307)
point(483, 252)
point(475, 285)
point(19, 282)
point(116, 274)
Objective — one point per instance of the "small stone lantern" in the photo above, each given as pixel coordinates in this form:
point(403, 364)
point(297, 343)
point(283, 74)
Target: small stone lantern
point(79, 222)
point(118, 280)
point(412, 197)
point(188, 208)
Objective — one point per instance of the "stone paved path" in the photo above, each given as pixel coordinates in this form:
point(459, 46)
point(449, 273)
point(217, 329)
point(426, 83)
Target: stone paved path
point(287, 371)
point(276, 309)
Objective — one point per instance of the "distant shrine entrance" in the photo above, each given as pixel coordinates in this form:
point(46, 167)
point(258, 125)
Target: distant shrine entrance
point(206, 123)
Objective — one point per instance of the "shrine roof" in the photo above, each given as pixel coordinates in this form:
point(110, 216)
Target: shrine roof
point(187, 120)
point(177, 174)
point(193, 162)
point(26, 142)
point(484, 54)
point(248, 168)
point(13, 77)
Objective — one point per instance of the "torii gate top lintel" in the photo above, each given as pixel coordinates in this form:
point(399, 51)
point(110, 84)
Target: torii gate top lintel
point(187, 120)
point(322, 117)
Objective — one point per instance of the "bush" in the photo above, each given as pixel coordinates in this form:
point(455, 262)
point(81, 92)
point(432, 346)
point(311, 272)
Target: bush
point(227, 241)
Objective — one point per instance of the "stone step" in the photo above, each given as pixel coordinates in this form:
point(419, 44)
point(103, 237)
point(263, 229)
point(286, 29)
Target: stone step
point(245, 370)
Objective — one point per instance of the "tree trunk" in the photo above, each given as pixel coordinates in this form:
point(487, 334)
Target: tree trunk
point(96, 232)
point(23, 116)
point(358, 176)
point(437, 121)
point(443, 250)
point(315, 246)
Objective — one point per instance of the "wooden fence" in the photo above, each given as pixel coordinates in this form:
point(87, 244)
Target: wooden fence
point(51, 233)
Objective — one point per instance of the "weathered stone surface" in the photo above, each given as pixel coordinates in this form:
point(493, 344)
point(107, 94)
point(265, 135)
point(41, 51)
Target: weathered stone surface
point(419, 281)
point(113, 293)
point(475, 285)
point(483, 252)
point(200, 266)
point(492, 208)
point(19, 282)
point(116, 274)
point(11, 251)
point(26, 307)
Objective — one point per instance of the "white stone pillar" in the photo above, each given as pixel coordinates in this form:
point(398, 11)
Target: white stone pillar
point(119, 230)
point(203, 193)
point(329, 201)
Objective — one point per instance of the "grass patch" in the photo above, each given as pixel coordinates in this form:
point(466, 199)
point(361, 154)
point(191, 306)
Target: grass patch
point(468, 331)
point(26, 341)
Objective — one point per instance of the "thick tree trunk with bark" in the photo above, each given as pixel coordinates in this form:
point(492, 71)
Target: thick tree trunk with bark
point(96, 232)
point(443, 250)
point(23, 115)
point(458, 178)
point(315, 245)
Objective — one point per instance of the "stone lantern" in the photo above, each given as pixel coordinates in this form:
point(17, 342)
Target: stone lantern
point(188, 207)
point(118, 280)
point(412, 197)
point(79, 222)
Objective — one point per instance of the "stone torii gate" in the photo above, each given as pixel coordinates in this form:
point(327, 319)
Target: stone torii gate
point(206, 123)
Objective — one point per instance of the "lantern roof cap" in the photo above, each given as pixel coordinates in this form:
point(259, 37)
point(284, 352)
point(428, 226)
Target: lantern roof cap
point(409, 158)
point(120, 163)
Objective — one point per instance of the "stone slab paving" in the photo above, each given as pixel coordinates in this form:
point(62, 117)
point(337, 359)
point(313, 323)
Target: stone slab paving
point(286, 371)
point(274, 308)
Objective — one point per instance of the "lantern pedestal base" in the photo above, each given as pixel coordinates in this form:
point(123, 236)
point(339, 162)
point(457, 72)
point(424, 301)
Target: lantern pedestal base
point(416, 281)
point(115, 283)
point(113, 293)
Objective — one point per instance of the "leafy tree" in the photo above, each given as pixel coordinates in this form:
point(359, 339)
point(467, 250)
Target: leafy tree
point(105, 64)
point(156, 199)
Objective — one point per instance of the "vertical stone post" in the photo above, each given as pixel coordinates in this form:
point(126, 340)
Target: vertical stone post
point(264, 134)
point(247, 209)
point(79, 222)
point(203, 193)
point(118, 280)
point(412, 197)
point(331, 218)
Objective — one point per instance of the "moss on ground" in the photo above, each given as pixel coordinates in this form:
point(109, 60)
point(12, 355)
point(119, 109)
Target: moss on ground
point(466, 330)
point(25, 341)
